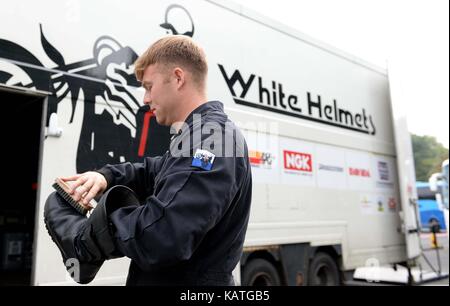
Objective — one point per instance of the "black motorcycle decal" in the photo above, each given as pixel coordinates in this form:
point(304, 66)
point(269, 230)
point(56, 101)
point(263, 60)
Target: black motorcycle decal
point(115, 126)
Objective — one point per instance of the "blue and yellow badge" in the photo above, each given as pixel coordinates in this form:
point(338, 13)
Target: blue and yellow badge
point(203, 159)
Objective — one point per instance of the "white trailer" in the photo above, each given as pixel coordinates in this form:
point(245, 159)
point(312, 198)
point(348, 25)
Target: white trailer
point(331, 157)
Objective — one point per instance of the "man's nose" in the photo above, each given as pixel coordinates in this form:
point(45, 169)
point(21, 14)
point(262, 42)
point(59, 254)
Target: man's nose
point(147, 100)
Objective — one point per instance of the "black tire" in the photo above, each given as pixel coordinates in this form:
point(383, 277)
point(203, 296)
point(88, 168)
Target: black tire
point(260, 272)
point(323, 271)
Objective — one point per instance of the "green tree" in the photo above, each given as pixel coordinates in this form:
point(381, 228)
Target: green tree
point(428, 156)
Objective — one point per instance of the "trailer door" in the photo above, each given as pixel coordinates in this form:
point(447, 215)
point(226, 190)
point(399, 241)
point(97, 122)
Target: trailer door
point(22, 148)
point(405, 165)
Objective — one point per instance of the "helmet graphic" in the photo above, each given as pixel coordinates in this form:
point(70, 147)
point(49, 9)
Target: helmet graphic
point(180, 21)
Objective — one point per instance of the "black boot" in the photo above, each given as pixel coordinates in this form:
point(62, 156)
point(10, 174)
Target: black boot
point(85, 243)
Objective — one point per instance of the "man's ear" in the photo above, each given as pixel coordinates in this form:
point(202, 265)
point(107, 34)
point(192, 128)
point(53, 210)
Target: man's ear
point(180, 77)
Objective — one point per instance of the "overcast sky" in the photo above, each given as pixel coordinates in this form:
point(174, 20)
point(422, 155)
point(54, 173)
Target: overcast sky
point(410, 35)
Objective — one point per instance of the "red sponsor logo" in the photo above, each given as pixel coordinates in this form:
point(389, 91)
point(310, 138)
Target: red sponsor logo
point(297, 161)
point(258, 158)
point(359, 172)
point(392, 204)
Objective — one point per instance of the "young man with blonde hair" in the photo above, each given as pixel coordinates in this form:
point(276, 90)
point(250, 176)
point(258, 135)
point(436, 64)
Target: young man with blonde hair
point(187, 222)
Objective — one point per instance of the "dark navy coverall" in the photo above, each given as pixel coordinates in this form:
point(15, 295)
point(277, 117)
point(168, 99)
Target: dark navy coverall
point(191, 227)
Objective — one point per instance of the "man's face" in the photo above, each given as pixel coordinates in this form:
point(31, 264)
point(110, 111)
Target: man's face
point(160, 94)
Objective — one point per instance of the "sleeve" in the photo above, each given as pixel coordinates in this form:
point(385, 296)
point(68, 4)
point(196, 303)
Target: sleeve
point(140, 177)
point(187, 203)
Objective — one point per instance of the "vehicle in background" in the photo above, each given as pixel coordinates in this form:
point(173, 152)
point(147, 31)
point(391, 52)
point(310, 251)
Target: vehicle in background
point(430, 210)
point(439, 184)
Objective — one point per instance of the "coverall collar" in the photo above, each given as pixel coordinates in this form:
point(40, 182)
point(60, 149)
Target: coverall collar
point(208, 107)
point(203, 109)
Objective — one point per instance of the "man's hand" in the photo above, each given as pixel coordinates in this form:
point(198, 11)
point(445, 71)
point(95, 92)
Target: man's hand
point(86, 186)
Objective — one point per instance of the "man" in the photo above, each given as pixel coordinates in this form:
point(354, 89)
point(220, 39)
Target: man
point(195, 199)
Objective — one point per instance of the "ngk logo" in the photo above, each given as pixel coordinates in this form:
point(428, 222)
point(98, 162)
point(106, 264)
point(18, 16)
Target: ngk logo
point(297, 161)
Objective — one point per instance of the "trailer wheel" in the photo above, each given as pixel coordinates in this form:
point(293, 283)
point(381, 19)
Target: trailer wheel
point(260, 272)
point(323, 271)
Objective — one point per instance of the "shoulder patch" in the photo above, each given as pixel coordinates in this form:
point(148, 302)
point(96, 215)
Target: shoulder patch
point(203, 159)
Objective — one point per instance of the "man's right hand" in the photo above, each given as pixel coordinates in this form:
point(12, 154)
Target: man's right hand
point(86, 186)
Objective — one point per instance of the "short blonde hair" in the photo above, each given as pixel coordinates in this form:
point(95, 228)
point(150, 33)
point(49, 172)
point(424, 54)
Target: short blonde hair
point(175, 50)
